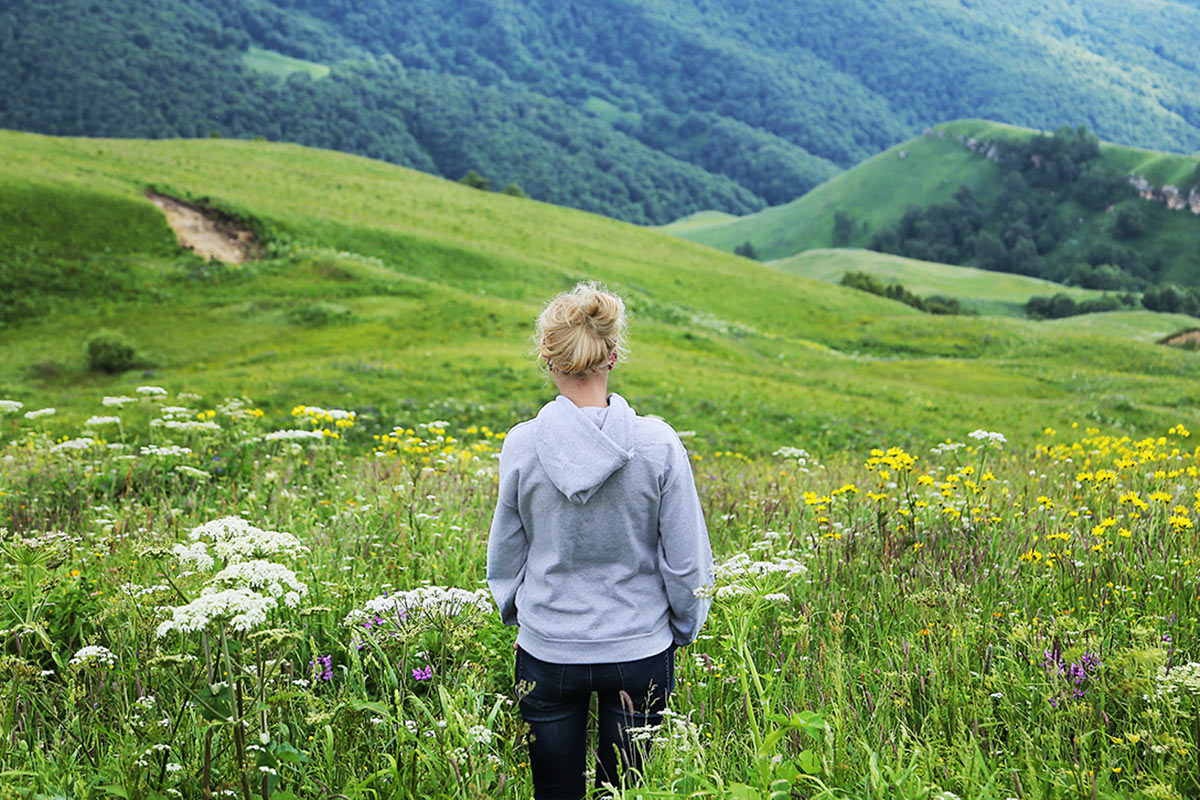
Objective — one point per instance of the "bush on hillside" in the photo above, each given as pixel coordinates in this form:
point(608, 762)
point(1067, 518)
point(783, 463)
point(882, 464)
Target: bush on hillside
point(746, 250)
point(111, 352)
point(475, 180)
point(934, 304)
point(1063, 305)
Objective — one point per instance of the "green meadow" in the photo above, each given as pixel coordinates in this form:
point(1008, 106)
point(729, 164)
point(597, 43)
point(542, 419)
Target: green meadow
point(955, 554)
point(390, 290)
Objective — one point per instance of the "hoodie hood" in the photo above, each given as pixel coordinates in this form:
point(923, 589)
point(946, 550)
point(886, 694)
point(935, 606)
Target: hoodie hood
point(578, 456)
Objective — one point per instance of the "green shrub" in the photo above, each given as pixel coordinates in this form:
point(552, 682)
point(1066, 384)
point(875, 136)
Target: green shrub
point(317, 314)
point(111, 352)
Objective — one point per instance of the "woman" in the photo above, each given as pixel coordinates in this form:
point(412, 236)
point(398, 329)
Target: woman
point(596, 549)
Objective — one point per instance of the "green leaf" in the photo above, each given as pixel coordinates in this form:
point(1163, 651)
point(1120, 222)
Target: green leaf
point(116, 791)
point(809, 762)
point(740, 791)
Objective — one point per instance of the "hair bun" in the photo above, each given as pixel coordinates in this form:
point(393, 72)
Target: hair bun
point(580, 329)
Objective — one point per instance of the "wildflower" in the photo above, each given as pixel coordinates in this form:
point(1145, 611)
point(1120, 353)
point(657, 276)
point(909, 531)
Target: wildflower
point(118, 402)
point(41, 412)
point(241, 608)
point(276, 579)
point(322, 668)
point(430, 601)
point(82, 443)
point(151, 391)
point(93, 655)
point(164, 450)
point(423, 674)
point(10, 406)
point(989, 438)
point(186, 469)
point(234, 539)
point(195, 554)
point(293, 435)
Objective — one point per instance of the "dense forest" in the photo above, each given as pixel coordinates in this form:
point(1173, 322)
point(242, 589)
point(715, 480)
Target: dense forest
point(641, 110)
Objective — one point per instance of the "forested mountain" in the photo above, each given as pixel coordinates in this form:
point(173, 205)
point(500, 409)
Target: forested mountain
point(641, 109)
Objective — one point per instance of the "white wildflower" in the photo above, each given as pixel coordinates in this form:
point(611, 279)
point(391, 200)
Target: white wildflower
point(10, 406)
point(988, 437)
point(429, 601)
point(119, 401)
point(480, 734)
point(276, 579)
point(1184, 678)
point(93, 655)
point(151, 391)
point(95, 420)
point(185, 425)
point(193, 555)
point(241, 608)
point(185, 469)
point(81, 443)
point(947, 447)
point(291, 435)
point(235, 539)
point(165, 450)
point(41, 412)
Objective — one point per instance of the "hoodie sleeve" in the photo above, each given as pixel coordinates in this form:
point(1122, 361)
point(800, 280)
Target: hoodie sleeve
point(508, 547)
point(685, 556)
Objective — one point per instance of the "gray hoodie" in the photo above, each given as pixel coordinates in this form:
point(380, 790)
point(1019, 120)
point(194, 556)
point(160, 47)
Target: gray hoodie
point(598, 541)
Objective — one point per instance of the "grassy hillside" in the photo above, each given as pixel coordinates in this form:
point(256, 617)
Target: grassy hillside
point(983, 291)
point(408, 297)
point(930, 169)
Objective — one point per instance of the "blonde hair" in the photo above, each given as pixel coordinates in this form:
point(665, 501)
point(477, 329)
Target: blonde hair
point(580, 330)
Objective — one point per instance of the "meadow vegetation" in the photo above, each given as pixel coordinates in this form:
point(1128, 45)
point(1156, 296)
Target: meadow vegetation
point(956, 555)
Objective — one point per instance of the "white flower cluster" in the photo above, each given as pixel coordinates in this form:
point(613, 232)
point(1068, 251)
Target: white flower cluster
point(185, 425)
point(426, 601)
point(276, 579)
point(187, 469)
point(237, 408)
point(988, 437)
point(94, 420)
point(10, 406)
point(93, 655)
point(480, 734)
point(947, 447)
point(165, 450)
point(241, 608)
point(81, 443)
point(801, 457)
point(151, 391)
point(193, 555)
point(118, 401)
point(234, 539)
point(292, 435)
point(741, 565)
point(328, 414)
point(1184, 679)
point(41, 412)
point(137, 590)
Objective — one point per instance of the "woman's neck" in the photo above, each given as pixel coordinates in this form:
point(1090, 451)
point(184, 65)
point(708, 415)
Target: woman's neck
point(591, 391)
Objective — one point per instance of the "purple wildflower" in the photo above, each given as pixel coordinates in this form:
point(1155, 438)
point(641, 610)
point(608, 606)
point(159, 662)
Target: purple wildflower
point(423, 674)
point(1077, 674)
point(322, 668)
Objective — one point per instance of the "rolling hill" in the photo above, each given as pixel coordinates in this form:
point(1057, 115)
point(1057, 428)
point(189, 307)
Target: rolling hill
point(407, 297)
point(979, 290)
point(928, 172)
point(645, 111)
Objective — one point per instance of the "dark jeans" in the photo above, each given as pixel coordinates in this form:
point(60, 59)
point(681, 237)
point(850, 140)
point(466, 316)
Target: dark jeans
point(555, 700)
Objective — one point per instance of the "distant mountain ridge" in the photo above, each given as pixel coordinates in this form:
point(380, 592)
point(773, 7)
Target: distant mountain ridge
point(641, 110)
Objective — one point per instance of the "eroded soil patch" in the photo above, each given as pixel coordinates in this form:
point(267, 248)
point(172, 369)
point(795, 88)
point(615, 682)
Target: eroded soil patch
point(209, 234)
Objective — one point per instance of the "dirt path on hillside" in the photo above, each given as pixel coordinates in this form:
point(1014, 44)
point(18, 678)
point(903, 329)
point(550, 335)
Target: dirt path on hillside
point(209, 238)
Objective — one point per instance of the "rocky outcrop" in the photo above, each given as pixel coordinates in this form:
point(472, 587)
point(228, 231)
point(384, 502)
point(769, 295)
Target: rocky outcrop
point(1170, 195)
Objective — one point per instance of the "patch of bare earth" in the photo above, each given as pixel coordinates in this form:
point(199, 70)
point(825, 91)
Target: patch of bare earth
point(209, 235)
point(1189, 338)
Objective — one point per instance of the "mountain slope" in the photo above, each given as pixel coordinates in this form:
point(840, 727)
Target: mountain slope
point(927, 174)
point(642, 110)
point(407, 298)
